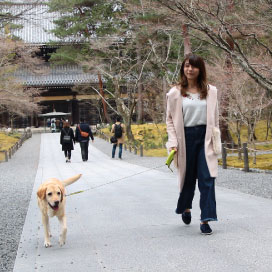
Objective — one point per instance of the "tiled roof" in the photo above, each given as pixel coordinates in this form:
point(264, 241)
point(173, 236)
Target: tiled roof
point(24, 1)
point(37, 22)
point(66, 75)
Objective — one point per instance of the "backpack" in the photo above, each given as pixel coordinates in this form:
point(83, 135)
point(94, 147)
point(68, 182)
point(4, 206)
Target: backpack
point(66, 138)
point(118, 132)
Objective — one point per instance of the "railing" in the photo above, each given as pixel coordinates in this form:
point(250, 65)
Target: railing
point(11, 151)
point(243, 150)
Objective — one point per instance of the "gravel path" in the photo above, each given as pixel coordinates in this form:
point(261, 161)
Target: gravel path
point(18, 175)
point(16, 183)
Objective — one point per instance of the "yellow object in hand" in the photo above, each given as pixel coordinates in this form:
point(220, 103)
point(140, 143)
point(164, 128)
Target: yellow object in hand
point(170, 158)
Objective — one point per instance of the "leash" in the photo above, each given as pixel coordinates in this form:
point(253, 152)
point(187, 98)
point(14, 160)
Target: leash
point(116, 180)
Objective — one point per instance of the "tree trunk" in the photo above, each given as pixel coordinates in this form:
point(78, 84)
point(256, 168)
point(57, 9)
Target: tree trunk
point(140, 115)
point(130, 135)
point(124, 111)
point(225, 135)
point(129, 131)
point(105, 110)
point(224, 102)
point(186, 40)
point(127, 122)
point(164, 98)
point(140, 89)
point(268, 124)
point(238, 128)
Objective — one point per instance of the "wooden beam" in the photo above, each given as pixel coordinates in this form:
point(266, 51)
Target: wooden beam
point(71, 97)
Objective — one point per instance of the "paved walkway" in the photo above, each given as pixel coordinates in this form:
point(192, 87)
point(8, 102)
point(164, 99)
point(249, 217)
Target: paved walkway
point(130, 225)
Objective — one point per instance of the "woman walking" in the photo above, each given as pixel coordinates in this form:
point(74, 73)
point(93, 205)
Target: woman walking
point(67, 140)
point(192, 116)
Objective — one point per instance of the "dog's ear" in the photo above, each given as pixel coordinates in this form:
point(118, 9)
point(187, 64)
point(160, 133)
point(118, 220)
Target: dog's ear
point(62, 192)
point(41, 193)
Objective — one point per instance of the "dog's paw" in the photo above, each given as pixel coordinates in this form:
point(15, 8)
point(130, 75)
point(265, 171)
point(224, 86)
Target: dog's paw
point(47, 244)
point(61, 242)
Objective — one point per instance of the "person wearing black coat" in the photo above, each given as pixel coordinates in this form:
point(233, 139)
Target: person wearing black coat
point(67, 145)
point(84, 141)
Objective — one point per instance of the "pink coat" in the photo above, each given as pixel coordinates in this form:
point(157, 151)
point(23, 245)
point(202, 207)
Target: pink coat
point(175, 130)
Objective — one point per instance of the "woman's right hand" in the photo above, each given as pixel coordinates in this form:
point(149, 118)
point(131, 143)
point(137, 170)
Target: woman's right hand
point(173, 148)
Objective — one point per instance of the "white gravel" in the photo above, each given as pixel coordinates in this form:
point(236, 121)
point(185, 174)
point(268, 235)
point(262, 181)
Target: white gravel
point(16, 182)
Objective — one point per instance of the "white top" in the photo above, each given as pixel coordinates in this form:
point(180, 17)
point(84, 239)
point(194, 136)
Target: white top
point(194, 110)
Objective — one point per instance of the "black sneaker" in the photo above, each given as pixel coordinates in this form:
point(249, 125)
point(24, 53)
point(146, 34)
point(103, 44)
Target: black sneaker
point(186, 217)
point(205, 229)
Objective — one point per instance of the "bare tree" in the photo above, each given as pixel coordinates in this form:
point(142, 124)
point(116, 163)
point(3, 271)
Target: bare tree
point(15, 98)
point(246, 104)
point(240, 34)
point(119, 65)
point(105, 109)
point(268, 114)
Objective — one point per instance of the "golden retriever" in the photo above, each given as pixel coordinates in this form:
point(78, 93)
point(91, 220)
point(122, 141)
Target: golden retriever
point(51, 201)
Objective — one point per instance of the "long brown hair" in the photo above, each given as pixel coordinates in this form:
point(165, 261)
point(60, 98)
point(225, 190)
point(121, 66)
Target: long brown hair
point(198, 62)
point(66, 124)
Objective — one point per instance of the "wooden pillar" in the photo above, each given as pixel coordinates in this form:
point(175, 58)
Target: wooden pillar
point(246, 163)
point(141, 150)
point(224, 155)
point(75, 111)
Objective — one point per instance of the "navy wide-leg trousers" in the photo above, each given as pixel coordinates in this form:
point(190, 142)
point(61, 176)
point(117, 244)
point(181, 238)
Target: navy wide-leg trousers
point(196, 168)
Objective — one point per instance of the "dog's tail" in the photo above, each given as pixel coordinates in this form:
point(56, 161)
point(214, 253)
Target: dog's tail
point(71, 180)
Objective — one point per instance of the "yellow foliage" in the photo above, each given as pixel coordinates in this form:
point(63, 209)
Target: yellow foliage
point(152, 136)
point(155, 133)
point(260, 132)
point(262, 162)
point(155, 152)
point(6, 142)
point(150, 131)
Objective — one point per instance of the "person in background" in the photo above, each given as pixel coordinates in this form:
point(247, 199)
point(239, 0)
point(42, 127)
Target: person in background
point(118, 129)
point(61, 124)
point(192, 114)
point(83, 134)
point(53, 126)
point(57, 125)
point(48, 123)
point(67, 140)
